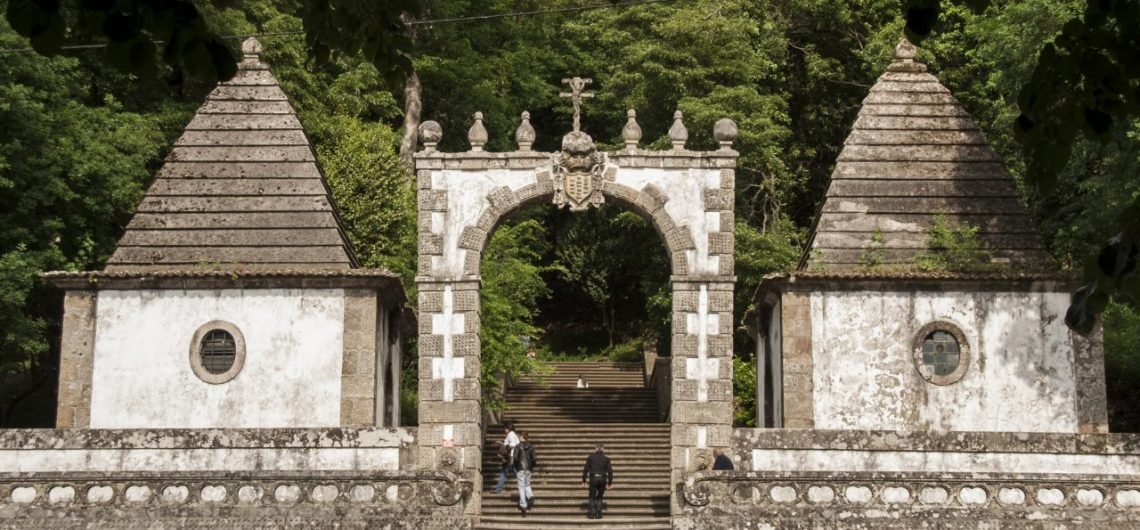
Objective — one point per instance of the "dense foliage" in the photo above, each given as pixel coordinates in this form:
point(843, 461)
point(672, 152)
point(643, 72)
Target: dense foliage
point(82, 140)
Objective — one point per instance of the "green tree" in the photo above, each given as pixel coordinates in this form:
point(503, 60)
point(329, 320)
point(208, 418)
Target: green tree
point(132, 30)
point(73, 162)
point(512, 287)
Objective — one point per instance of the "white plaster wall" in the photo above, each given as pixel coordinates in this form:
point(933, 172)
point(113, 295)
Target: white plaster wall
point(811, 460)
point(291, 378)
point(1020, 378)
point(467, 199)
point(201, 459)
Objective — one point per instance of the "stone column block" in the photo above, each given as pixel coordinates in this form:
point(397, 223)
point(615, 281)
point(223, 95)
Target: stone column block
point(77, 359)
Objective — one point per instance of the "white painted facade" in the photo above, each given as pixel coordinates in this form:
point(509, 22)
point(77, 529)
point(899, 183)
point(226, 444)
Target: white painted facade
point(291, 378)
point(92, 460)
point(1021, 376)
point(467, 200)
point(864, 461)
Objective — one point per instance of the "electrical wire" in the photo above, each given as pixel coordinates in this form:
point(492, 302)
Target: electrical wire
point(474, 18)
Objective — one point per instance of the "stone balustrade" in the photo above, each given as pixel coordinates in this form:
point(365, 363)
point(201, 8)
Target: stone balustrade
point(886, 480)
point(729, 492)
point(435, 499)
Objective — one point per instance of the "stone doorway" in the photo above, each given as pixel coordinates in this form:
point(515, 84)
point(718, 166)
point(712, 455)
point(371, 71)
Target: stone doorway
point(687, 196)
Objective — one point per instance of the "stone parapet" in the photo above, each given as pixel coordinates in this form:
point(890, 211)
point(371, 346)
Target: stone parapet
point(229, 499)
point(179, 450)
point(796, 478)
point(738, 500)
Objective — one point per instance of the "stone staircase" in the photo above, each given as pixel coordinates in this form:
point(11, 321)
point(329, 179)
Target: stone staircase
point(564, 423)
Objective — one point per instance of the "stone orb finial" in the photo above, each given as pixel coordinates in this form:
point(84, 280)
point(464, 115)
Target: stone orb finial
point(251, 46)
point(725, 132)
point(477, 135)
point(678, 134)
point(525, 133)
point(578, 143)
point(430, 134)
point(905, 53)
point(631, 133)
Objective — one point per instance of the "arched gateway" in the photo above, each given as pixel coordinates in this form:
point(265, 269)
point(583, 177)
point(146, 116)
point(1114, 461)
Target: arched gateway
point(686, 195)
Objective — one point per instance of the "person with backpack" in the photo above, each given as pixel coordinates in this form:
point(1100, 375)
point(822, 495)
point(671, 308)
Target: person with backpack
point(506, 452)
point(524, 461)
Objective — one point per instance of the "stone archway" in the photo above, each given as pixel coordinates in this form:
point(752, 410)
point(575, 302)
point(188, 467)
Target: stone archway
point(686, 195)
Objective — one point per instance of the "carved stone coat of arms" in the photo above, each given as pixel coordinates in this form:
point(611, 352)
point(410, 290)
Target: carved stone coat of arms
point(579, 172)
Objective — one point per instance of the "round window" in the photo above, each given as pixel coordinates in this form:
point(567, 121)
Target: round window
point(217, 352)
point(941, 353)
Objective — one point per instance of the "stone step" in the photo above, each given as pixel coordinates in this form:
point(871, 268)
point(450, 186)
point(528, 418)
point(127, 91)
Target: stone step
point(535, 520)
point(584, 449)
point(629, 465)
point(580, 505)
point(644, 473)
point(554, 400)
point(585, 416)
point(552, 425)
point(571, 383)
point(565, 423)
point(599, 410)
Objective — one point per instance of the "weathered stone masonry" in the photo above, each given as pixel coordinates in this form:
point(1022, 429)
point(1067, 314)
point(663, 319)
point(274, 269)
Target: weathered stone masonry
point(687, 196)
point(77, 352)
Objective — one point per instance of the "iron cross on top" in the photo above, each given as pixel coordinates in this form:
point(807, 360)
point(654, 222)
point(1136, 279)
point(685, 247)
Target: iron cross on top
point(576, 95)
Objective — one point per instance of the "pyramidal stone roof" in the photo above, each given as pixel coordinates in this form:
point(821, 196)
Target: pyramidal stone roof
point(914, 154)
point(241, 189)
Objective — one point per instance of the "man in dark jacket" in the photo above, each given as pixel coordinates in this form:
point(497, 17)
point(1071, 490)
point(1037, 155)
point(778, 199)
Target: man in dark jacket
point(722, 462)
point(524, 459)
point(599, 474)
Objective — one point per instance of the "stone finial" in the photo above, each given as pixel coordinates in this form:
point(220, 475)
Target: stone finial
point(251, 48)
point(725, 132)
point(430, 134)
point(905, 52)
point(678, 133)
point(525, 133)
point(631, 133)
point(477, 135)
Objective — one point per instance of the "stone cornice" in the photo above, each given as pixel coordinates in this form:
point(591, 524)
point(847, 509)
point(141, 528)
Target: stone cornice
point(386, 281)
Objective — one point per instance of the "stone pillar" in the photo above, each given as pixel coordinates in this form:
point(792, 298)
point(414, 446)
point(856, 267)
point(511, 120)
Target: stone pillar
point(702, 373)
point(1088, 363)
point(450, 432)
point(76, 360)
point(358, 361)
point(795, 323)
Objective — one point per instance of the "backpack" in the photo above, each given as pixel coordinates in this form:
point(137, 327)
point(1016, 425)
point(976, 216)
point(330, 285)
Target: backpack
point(524, 457)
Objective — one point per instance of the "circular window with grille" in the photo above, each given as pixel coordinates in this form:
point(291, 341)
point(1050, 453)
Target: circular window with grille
point(217, 352)
point(941, 353)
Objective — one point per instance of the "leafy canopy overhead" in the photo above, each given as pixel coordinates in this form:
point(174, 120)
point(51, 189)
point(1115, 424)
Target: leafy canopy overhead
point(135, 30)
point(1084, 89)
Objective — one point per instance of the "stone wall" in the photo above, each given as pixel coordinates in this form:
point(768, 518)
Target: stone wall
point(1021, 372)
point(362, 348)
point(76, 358)
point(161, 450)
point(261, 478)
point(852, 356)
point(881, 479)
point(291, 377)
